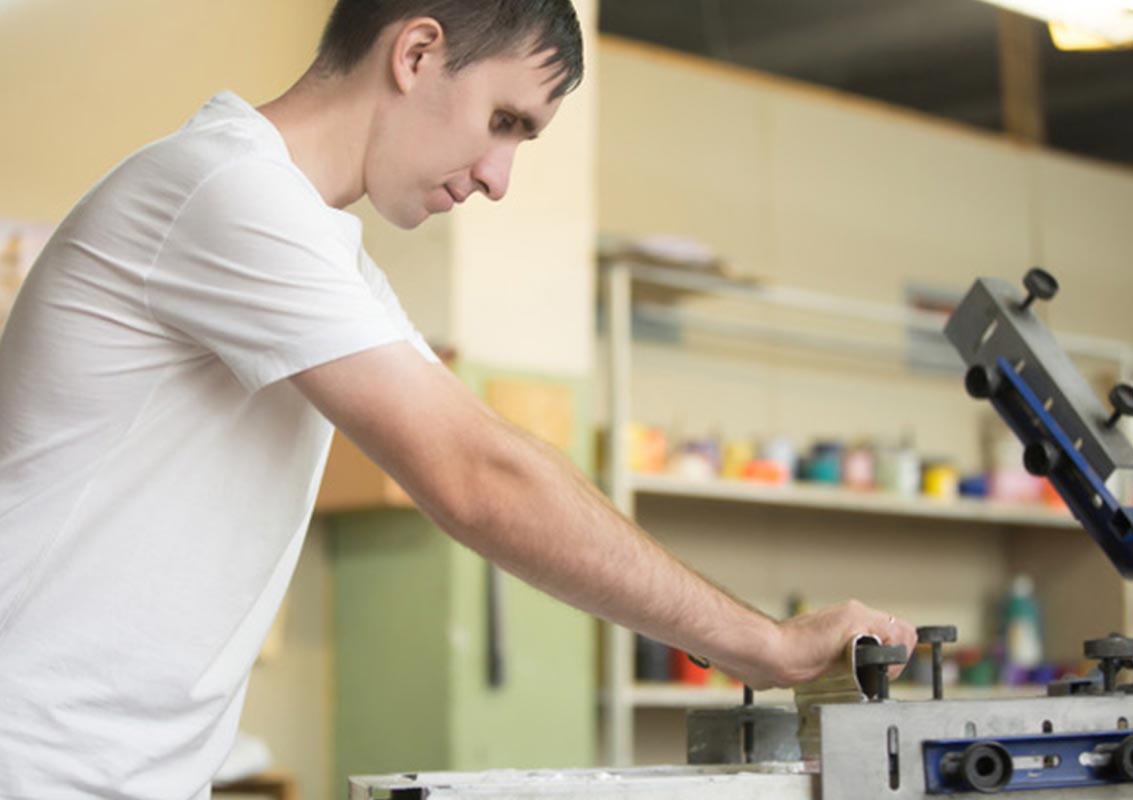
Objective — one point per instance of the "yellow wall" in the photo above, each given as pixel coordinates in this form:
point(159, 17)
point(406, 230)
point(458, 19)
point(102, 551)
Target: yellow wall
point(82, 85)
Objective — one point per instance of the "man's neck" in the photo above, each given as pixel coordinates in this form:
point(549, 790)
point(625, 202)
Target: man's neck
point(325, 122)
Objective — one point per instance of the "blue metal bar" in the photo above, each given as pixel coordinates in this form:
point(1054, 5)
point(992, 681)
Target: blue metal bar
point(1102, 515)
point(1042, 761)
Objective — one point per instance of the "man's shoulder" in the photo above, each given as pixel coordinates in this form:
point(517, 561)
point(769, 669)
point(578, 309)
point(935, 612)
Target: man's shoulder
point(226, 172)
point(225, 135)
point(221, 161)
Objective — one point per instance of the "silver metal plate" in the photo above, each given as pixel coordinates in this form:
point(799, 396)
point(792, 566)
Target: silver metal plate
point(855, 756)
point(760, 782)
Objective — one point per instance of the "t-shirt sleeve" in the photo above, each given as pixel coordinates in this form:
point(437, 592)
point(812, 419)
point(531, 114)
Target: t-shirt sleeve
point(257, 272)
point(383, 293)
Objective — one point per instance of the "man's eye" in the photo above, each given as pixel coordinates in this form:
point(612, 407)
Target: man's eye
point(504, 123)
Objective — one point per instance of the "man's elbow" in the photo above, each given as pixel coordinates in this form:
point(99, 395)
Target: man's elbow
point(491, 485)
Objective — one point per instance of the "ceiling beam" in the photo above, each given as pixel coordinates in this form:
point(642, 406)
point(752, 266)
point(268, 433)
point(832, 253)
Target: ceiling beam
point(1020, 77)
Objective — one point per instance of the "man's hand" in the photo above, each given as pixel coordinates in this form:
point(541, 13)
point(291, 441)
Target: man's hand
point(810, 645)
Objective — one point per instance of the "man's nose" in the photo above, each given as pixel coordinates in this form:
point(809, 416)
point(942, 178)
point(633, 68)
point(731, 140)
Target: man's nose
point(492, 173)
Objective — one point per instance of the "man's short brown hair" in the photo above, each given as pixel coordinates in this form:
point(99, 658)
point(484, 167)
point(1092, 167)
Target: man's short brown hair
point(474, 30)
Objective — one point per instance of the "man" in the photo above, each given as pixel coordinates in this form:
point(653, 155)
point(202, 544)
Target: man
point(169, 370)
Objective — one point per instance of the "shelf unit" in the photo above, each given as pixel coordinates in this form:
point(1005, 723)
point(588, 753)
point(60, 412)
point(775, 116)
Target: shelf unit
point(661, 285)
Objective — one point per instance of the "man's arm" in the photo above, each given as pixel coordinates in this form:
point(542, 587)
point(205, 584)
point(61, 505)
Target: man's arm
point(523, 506)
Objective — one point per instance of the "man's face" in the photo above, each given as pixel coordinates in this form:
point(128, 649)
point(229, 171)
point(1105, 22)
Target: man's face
point(456, 134)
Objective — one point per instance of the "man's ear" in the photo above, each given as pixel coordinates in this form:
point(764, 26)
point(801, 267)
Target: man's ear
point(419, 46)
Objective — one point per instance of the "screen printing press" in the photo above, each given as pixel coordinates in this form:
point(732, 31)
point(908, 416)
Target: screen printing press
point(845, 739)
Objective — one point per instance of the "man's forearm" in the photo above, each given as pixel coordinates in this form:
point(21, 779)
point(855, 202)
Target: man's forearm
point(548, 525)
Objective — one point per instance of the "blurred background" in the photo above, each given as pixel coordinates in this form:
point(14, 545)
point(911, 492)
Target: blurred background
point(794, 195)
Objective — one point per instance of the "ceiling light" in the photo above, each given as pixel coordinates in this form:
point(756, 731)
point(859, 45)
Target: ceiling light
point(1080, 24)
point(1067, 38)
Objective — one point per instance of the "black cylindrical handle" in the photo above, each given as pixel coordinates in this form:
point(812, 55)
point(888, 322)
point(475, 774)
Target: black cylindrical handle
point(1122, 762)
point(1117, 759)
point(1041, 458)
point(982, 767)
point(982, 382)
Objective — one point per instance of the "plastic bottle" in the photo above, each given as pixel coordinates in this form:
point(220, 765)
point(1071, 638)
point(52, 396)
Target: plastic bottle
point(1022, 626)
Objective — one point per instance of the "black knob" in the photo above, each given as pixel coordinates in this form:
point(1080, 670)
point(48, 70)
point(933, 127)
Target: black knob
point(982, 767)
point(1122, 762)
point(1113, 646)
point(1041, 458)
point(936, 635)
point(982, 382)
point(1117, 759)
point(1120, 757)
point(1121, 398)
point(1112, 653)
point(873, 662)
point(1040, 285)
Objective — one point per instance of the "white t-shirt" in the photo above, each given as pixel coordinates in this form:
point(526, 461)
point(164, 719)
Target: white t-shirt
point(156, 474)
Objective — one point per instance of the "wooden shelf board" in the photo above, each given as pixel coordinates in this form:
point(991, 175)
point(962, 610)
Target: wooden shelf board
point(835, 498)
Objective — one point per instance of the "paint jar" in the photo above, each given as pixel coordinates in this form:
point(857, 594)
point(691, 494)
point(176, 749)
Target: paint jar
point(825, 463)
point(648, 448)
point(1014, 485)
point(1022, 625)
point(687, 672)
point(707, 448)
point(760, 470)
point(977, 667)
point(858, 468)
point(941, 480)
point(797, 604)
point(898, 470)
point(974, 486)
point(1051, 498)
point(692, 463)
point(782, 450)
point(1008, 480)
point(652, 660)
point(737, 454)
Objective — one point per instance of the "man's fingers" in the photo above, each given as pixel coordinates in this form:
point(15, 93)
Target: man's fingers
point(891, 629)
point(898, 631)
